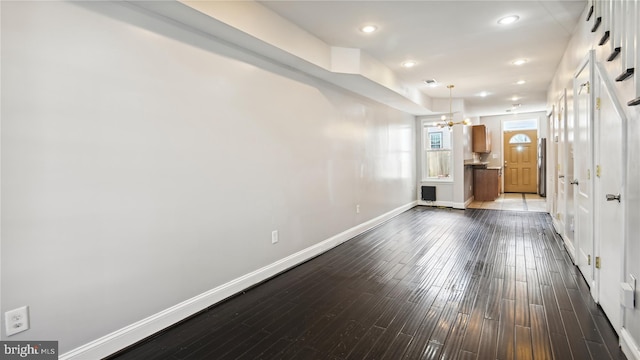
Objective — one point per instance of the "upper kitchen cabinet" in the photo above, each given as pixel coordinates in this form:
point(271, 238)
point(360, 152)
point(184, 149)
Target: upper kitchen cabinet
point(481, 139)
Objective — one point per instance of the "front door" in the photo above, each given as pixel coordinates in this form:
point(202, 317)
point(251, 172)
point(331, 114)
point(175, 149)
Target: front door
point(521, 161)
point(609, 202)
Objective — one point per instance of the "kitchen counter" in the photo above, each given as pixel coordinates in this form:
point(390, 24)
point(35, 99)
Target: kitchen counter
point(476, 163)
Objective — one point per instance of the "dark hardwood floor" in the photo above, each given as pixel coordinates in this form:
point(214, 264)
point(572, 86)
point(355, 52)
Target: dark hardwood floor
point(428, 284)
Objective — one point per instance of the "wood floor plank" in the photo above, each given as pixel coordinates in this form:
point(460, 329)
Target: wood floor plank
point(341, 325)
point(506, 337)
point(268, 350)
point(560, 290)
point(522, 304)
point(428, 284)
point(397, 348)
point(368, 341)
point(552, 311)
point(417, 347)
point(540, 333)
point(474, 326)
point(488, 340)
point(598, 351)
point(347, 339)
point(509, 285)
point(493, 303)
point(383, 344)
point(452, 345)
point(521, 268)
point(574, 335)
point(609, 336)
point(465, 355)
point(445, 323)
point(524, 350)
point(585, 320)
point(560, 347)
point(533, 287)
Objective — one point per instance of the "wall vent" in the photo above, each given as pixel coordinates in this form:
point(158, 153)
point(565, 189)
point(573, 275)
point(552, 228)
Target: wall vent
point(429, 193)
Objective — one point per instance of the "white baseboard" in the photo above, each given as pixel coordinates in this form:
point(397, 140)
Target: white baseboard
point(435, 203)
point(571, 250)
point(133, 333)
point(449, 204)
point(557, 226)
point(630, 348)
point(461, 206)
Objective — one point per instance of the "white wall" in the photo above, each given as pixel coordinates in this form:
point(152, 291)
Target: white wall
point(582, 41)
point(143, 165)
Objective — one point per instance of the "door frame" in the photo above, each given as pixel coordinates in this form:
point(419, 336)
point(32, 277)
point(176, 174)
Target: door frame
point(589, 178)
point(506, 148)
point(600, 75)
point(559, 154)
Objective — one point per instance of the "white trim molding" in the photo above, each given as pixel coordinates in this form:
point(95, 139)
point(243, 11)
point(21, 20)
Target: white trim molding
point(630, 348)
point(129, 335)
point(460, 206)
point(435, 203)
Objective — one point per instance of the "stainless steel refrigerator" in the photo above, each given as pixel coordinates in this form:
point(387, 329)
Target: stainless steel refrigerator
point(542, 167)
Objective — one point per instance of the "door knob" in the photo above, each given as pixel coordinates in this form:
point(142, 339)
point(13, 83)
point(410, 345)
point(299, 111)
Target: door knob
point(611, 197)
point(560, 176)
point(574, 182)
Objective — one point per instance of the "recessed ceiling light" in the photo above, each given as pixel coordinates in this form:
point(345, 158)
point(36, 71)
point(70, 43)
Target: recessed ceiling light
point(514, 98)
point(520, 82)
point(508, 20)
point(519, 62)
point(409, 64)
point(368, 28)
point(484, 94)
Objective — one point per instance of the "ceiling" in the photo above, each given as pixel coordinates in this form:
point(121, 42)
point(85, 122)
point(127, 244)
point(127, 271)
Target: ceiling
point(453, 42)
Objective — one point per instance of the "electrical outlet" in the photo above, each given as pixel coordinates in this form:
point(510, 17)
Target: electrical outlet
point(274, 236)
point(357, 209)
point(16, 320)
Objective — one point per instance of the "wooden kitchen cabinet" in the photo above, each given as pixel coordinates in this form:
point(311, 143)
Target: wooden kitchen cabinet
point(480, 139)
point(486, 184)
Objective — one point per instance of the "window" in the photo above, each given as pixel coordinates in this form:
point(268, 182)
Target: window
point(436, 153)
point(520, 139)
point(435, 139)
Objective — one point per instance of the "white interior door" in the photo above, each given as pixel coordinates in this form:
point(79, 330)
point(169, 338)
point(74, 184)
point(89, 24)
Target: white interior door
point(551, 170)
point(569, 156)
point(583, 182)
point(610, 214)
point(561, 199)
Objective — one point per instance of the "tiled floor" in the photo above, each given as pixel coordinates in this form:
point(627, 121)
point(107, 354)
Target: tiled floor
point(514, 202)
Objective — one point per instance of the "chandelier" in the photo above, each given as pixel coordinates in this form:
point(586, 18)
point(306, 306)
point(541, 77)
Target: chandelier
point(447, 121)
